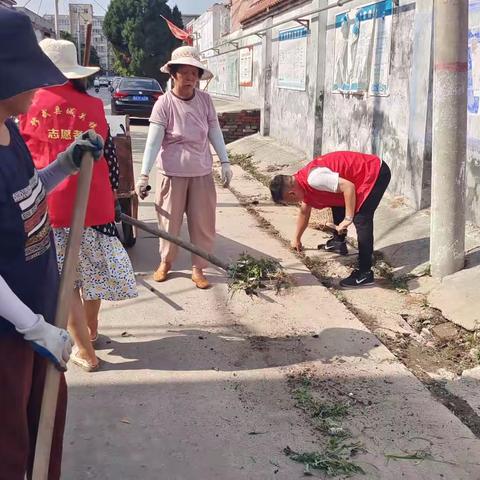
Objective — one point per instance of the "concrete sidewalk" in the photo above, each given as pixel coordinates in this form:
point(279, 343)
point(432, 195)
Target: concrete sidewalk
point(201, 385)
point(401, 235)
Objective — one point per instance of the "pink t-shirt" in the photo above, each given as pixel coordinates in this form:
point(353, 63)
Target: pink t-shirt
point(185, 150)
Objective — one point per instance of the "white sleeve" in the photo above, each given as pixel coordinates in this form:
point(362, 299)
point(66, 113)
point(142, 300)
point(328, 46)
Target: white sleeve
point(155, 136)
point(215, 136)
point(13, 309)
point(323, 179)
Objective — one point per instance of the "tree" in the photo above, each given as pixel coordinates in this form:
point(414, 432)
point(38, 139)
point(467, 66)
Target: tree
point(141, 39)
point(94, 58)
point(67, 36)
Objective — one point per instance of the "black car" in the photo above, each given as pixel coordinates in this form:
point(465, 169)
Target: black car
point(135, 96)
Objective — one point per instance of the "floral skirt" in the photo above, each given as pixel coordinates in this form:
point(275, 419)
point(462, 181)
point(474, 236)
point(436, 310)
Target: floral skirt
point(104, 270)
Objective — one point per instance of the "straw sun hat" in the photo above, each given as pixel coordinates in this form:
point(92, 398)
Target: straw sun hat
point(187, 56)
point(64, 55)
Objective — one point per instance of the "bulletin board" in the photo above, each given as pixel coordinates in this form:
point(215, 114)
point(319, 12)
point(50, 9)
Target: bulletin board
point(363, 40)
point(292, 58)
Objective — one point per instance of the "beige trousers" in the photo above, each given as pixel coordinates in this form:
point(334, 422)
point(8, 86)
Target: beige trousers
point(195, 196)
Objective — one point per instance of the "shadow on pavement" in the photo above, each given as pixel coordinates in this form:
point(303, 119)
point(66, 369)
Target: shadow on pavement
point(189, 349)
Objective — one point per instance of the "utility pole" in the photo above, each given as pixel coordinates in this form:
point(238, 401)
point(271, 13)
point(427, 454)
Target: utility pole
point(449, 149)
point(79, 40)
point(57, 32)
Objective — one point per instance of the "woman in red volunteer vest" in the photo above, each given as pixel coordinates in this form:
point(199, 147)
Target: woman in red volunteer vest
point(352, 185)
point(56, 117)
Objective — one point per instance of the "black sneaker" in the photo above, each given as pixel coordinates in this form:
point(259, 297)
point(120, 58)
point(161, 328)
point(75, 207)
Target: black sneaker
point(335, 245)
point(358, 279)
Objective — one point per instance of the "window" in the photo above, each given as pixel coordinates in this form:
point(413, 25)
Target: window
point(134, 83)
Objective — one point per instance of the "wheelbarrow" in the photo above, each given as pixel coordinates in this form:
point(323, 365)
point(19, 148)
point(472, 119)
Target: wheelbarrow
point(128, 199)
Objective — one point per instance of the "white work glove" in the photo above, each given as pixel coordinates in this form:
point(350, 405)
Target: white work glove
point(227, 174)
point(142, 187)
point(71, 158)
point(49, 341)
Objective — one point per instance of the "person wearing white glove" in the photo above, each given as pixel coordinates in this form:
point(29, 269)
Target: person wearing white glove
point(49, 341)
point(29, 278)
point(183, 124)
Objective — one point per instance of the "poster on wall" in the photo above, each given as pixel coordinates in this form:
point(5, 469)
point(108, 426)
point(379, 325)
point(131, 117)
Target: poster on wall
point(473, 90)
point(292, 58)
point(225, 70)
point(246, 67)
point(382, 44)
point(362, 49)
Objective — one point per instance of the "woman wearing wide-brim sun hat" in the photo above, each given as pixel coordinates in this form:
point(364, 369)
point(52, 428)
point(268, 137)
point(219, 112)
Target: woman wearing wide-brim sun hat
point(182, 126)
point(104, 271)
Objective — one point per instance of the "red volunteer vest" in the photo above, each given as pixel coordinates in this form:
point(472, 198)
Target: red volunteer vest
point(359, 168)
point(56, 117)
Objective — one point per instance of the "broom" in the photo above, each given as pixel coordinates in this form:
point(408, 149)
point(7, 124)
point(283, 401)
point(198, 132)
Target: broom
point(46, 423)
point(247, 273)
point(52, 379)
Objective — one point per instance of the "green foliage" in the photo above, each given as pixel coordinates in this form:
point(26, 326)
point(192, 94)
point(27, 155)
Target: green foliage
point(333, 460)
point(141, 39)
point(327, 417)
point(94, 58)
point(67, 36)
point(251, 275)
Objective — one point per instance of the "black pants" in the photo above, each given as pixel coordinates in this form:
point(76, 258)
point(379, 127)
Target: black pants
point(363, 219)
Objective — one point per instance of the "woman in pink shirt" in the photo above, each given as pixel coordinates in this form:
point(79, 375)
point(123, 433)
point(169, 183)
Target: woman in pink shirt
point(182, 126)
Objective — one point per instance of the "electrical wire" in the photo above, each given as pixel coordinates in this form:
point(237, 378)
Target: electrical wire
point(39, 7)
point(101, 6)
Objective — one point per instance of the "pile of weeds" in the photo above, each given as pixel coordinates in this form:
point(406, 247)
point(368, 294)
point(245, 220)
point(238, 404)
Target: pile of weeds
point(327, 417)
point(252, 275)
point(335, 458)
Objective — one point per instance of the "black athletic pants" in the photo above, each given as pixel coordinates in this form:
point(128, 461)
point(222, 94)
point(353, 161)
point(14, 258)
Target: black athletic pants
point(363, 219)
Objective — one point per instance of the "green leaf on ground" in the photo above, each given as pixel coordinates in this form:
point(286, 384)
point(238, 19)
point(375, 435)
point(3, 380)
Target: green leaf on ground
point(334, 460)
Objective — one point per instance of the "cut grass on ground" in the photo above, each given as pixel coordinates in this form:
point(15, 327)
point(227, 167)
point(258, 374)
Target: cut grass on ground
point(335, 457)
point(251, 275)
point(245, 161)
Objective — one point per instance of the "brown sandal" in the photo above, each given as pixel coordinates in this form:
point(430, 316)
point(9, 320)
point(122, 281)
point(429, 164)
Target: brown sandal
point(161, 273)
point(200, 281)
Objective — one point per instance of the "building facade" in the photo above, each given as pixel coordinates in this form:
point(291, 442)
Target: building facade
point(376, 98)
point(75, 24)
point(42, 27)
point(8, 3)
point(187, 18)
point(210, 27)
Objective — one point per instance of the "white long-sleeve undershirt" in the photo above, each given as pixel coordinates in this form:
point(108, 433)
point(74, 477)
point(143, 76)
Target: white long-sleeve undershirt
point(215, 136)
point(13, 309)
point(156, 134)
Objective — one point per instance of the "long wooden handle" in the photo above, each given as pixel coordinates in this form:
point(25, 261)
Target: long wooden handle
point(52, 379)
point(177, 241)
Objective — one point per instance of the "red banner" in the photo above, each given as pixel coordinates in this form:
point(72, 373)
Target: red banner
point(178, 32)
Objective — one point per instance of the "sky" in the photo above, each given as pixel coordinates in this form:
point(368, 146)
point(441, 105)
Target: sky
point(99, 6)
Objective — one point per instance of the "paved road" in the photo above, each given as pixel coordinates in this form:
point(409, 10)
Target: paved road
point(195, 384)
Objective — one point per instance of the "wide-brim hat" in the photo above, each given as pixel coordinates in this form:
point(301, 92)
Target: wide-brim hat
point(187, 56)
point(64, 55)
point(23, 65)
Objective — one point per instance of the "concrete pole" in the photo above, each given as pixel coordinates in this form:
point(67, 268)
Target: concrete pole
point(447, 234)
point(57, 32)
point(266, 89)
